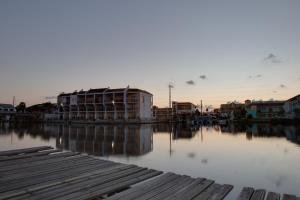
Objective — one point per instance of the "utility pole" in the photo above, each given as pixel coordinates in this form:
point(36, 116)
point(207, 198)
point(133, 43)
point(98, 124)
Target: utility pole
point(201, 108)
point(170, 100)
point(14, 101)
point(170, 88)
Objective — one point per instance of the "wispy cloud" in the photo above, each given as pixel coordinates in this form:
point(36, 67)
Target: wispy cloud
point(190, 82)
point(282, 86)
point(255, 76)
point(274, 91)
point(203, 77)
point(272, 58)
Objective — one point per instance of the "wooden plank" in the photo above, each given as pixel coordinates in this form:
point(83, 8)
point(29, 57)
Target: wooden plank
point(246, 193)
point(273, 196)
point(144, 187)
point(163, 188)
point(22, 156)
point(32, 172)
point(258, 195)
point(164, 194)
point(289, 197)
point(186, 189)
point(50, 179)
point(31, 169)
point(48, 175)
point(28, 161)
point(40, 189)
point(195, 191)
point(87, 184)
point(22, 151)
point(208, 192)
point(112, 186)
point(221, 194)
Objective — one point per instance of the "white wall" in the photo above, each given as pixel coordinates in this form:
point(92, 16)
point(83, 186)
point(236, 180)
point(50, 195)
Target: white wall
point(146, 106)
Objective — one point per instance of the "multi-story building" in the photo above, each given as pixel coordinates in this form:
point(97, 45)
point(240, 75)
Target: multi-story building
point(183, 108)
point(232, 110)
point(162, 114)
point(292, 107)
point(105, 104)
point(7, 111)
point(264, 109)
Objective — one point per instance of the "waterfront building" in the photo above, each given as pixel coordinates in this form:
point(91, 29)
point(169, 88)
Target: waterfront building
point(179, 108)
point(232, 110)
point(7, 108)
point(292, 107)
point(162, 114)
point(264, 109)
point(6, 112)
point(105, 104)
point(183, 111)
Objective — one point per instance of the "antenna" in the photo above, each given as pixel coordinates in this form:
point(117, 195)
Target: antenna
point(14, 99)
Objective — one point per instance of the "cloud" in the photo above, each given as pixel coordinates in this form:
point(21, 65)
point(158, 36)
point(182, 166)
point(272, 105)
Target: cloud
point(272, 58)
point(203, 77)
point(274, 91)
point(282, 86)
point(190, 82)
point(255, 76)
point(50, 97)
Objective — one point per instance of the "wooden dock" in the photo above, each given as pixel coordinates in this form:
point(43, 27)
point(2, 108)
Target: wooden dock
point(43, 173)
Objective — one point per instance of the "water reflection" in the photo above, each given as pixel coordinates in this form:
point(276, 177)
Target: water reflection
point(106, 140)
point(137, 140)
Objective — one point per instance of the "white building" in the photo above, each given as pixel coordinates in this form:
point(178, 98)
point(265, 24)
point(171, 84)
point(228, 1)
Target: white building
point(105, 104)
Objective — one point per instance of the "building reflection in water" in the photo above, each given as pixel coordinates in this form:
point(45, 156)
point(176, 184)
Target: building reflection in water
point(106, 140)
point(291, 133)
point(178, 131)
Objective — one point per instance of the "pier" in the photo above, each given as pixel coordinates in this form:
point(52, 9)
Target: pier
point(46, 173)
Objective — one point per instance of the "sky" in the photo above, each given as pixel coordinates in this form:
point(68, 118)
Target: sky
point(217, 51)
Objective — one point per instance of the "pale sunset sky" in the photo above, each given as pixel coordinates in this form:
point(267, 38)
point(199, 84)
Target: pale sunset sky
point(217, 51)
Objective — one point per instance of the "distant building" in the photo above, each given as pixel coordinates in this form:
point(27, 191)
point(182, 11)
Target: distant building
point(179, 108)
point(264, 109)
point(292, 107)
point(232, 110)
point(162, 114)
point(7, 108)
point(183, 111)
point(105, 104)
point(6, 112)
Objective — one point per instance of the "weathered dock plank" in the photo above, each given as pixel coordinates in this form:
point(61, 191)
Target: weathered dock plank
point(21, 156)
point(289, 197)
point(246, 193)
point(273, 196)
point(258, 194)
point(27, 150)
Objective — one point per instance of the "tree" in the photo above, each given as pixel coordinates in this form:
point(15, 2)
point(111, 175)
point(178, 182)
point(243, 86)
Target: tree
point(21, 107)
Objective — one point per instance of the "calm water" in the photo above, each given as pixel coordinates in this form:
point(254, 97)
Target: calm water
point(260, 156)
